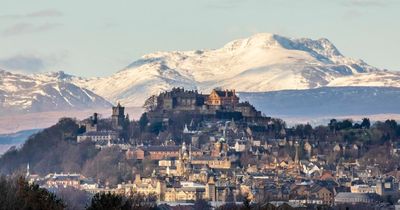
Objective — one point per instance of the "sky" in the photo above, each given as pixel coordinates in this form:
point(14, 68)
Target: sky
point(93, 38)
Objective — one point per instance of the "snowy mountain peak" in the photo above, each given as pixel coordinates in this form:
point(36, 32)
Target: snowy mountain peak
point(261, 40)
point(259, 63)
point(322, 46)
point(44, 92)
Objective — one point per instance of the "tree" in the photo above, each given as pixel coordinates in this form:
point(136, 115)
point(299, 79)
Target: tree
point(151, 103)
point(74, 199)
point(16, 193)
point(246, 204)
point(333, 125)
point(366, 124)
point(345, 124)
point(143, 121)
point(108, 201)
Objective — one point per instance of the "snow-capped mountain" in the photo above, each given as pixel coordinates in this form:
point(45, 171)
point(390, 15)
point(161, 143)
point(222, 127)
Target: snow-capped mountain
point(260, 63)
point(44, 92)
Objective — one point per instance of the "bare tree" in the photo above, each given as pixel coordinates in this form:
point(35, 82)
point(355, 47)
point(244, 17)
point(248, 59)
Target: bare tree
point(151, 103)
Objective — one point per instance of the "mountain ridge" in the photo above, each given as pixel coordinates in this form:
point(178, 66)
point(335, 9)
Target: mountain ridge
point(261, 63)
point(44, 92)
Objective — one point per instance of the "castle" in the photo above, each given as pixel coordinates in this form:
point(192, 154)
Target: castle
point(224, 103)
point(117, 117)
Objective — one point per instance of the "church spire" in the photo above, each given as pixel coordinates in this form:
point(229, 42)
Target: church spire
point(27, 170)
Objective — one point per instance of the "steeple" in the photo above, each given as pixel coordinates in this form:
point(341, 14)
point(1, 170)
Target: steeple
point(27, 171)
point(296, 158)
point(185, 129)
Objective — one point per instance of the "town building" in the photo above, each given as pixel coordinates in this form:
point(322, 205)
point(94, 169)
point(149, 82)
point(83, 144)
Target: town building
point(98, 136)
point(222, 98)
point(118, 117)
point(163, 152)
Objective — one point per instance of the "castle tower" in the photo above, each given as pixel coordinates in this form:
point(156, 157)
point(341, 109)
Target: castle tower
point(117, 117)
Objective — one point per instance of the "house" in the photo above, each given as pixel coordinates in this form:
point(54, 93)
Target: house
point(163, 152)
point(188, 191)
point(184, 194)
point(97, 136)
point(146, 186)
point(323, 193)
point(310, 168)
point(388, 187)
point(222, 98)
point(356, 198)
point(240, 146)
point(63, 180)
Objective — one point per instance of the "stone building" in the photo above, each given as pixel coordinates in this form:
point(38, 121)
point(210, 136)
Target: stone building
point(222, 98)
point(146, 186)
point(117, 117)
point(388, 187)
point(97, 136)
point(218, 102)
point(163, 152)
point(247, 110)
point(90, 124)
point(180, 99)
point(63, 180)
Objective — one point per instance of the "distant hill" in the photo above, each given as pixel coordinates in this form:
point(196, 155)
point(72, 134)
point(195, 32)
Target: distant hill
point(44, 92)
point(18, 137)
point(327, 101)
point(15, 139)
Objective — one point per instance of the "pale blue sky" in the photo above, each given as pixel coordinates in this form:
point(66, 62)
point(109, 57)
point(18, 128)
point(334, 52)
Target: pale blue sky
point(97, 38)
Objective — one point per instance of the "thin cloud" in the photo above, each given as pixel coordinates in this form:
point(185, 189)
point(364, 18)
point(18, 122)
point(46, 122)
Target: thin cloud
point(36, 14)
point(23, 63)
point(32, 63)
point(366, 3)
point(27, 28)
point(225, 4)
point(46, 13)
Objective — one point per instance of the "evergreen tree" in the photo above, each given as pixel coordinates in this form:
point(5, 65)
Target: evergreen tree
point(17, 194)
point(143, 121)
point(366, 124)
point(108, 201)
